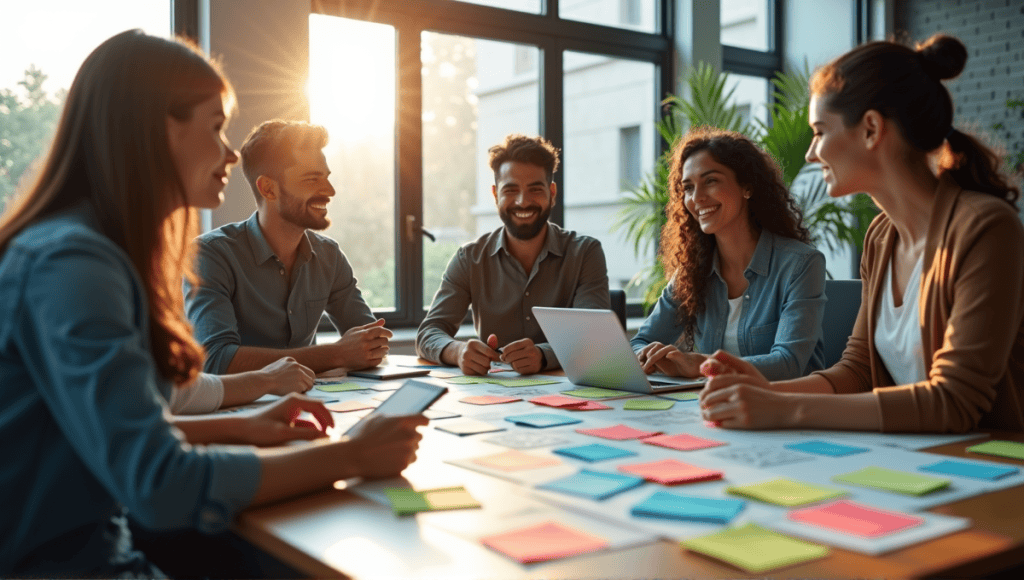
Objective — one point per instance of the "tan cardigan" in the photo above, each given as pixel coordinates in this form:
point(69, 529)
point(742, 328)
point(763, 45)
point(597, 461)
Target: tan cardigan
point(971, 313)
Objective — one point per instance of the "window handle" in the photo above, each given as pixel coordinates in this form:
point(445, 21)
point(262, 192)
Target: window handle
point(411, 229)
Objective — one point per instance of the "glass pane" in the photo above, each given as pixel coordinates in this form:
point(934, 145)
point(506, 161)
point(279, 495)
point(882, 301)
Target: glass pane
point(532, 6)
point(474, 93)
point(609, 144)
point(44, 52)
point(745, 23)
point(750, 96)
point(355, 99)
point(639, 15)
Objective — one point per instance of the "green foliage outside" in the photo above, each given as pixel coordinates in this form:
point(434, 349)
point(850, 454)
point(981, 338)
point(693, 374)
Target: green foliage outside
point(834, 223)
point(28, 117)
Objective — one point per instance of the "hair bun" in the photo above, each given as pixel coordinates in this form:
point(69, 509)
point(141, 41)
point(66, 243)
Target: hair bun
point(942, 56)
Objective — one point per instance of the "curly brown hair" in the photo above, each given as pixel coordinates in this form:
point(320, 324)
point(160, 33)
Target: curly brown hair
point(686, 251)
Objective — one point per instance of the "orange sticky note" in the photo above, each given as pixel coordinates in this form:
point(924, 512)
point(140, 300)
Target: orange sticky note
point(854, 518)
point(545, 541)
point(488, 400)
point(589, 406)
point(347, 406)
point(558, 401)
point(682, 442)
point(618, 432)
point(515, 460)
point(670, 471)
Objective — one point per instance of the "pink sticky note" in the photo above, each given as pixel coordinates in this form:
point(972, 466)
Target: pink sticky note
point(545, 541)
point(856, 519)
point(515, 460)
point(669, 471)
point(589, 406)
point(618, 432)
point(347, 406)
point(558, 401)
point(488, 400)
point(683, 442)
point(712, 424)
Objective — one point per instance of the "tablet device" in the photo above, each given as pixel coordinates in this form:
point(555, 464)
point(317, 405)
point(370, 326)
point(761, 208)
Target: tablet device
point(387, 373)
point(412, 399)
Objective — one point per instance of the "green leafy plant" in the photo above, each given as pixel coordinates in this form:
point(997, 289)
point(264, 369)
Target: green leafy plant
point(786, 136)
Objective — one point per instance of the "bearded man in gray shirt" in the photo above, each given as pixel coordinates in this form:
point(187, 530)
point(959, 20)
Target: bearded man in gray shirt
point(528, 262)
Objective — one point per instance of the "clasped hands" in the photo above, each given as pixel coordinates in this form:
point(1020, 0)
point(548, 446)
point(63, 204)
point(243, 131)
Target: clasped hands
point(475, 357)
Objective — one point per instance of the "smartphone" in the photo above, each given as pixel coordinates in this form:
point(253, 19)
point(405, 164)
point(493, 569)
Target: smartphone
point(412, 398)
point(387, 373)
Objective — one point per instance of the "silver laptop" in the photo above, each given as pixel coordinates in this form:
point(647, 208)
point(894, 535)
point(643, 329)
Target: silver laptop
point(593, 350)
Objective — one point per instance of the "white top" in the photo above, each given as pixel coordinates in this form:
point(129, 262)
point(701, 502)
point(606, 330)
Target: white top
point(731, 342)
point(203, 395)
point(898, 333)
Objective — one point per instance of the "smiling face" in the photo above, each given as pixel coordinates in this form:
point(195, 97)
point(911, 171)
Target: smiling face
point(837, 148)
point(304, 190)
point(712, 195)
point(201, 153)
point(524, 198)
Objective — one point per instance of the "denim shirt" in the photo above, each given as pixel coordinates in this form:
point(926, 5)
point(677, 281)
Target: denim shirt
point(780, 321)
point(83, 412)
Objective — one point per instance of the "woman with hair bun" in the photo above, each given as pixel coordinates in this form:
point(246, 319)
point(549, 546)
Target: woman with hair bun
point(743, 276)
point(938, 345)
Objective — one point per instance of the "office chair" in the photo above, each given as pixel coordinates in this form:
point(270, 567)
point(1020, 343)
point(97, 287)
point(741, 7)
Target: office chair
point(840, 314)
point(618, 302)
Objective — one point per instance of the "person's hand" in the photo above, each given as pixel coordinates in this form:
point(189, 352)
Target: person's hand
point(279, 421)
point(386, 446)
point(474, 357)
point(523, 355)
point(365, 346)
point(667, 359)
point(738, 396)
point(285, 376)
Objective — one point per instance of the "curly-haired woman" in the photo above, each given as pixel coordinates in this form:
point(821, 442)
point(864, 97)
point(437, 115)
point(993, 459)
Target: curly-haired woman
point(743, 277)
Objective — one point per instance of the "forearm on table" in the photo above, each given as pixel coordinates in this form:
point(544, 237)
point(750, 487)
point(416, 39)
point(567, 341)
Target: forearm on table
point(320, 464)
point(319, 358)
point(244, 387)
point(857, 412)
point(450, 353)
point(206, 429)
point(813, 384)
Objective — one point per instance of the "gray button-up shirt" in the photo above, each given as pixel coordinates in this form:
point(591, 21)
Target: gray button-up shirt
point(245, 298)
point(570, 272)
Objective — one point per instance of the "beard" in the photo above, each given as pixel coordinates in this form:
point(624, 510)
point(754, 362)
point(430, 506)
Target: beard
point(529, 230)
point(296, 211)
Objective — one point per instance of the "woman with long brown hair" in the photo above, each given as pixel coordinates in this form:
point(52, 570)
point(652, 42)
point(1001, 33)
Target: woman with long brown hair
point(743, 275)
point(938, 344)
point(93, 336)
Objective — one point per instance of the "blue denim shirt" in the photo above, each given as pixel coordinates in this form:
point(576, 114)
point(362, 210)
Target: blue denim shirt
point(780, 321)
point(83, 412)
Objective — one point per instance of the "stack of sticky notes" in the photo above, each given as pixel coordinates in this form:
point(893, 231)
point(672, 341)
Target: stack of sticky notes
point(596, 393)
point(755, 549)
point(785, 492)
point(684, 507)
point(594, 452)
point(671, 472)
point(593, 484)
point(682, 442)
point(488, 400)
point(541, 420)
point(1009, 449)
point(569, 403)
point(340, 387)
point(856, 519)
point(683, 396)
point(515, 460)
point(647, 405)
point(544, 541)
point(988, 472)
point(892, 480)
point(618, 432)
point(826, 448)
point(406, 501)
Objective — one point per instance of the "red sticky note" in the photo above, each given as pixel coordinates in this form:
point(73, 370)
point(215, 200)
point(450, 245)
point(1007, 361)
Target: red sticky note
point(515, 460)
point(856, 519)
point(589, 406)
point(545, 541)
point(618, 432)
point(558, 401)
point(346, 406)
point(683, 442)
point(488, 400)
point(670, 471)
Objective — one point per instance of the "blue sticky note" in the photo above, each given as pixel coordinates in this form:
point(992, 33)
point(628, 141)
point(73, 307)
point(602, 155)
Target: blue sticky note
point(972, 470)
point(824, 448)
point(594, 452)
point(542, 420)
point(684, 507)
point(593, 484)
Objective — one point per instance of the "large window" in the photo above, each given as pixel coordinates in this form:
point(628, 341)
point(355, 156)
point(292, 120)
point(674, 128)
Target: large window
point(751, 52)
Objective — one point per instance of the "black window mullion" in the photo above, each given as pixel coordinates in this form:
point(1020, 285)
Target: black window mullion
point(552, 118)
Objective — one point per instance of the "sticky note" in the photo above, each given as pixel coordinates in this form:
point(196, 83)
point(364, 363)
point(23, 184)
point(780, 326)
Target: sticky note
point(647, 405)
point(433, 414)
point(340, 387)
point(557, 401)
point(683, 396)
point(467, 380)
point(488, 400)
point(972, 470)
point(683, 507)
point(755, 549)
point(825, 448)
point(467, 427)
point(855, 519)
point(347, 406)
point(1009, 449)
point(785, 492)
point(521, 382)
point(594, 452)
point(593, 484)
point(407, 501)
point(892, 480)
point(589, 406)
point(596, 393)
point(545, 541)
point(618, 432)
point(671, 471)
point(515, 460)
point(682, 442)
point(541, 420)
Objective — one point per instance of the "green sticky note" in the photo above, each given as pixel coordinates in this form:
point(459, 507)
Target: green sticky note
point(785, 492)
point(647, 405)
point(467, 380)
point(406, 501)
point(341, 387)
point(1009, 449)
point(755, 549)
point(684, 396)
point(595, 393)
point(891, 480)
point(521, 382)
